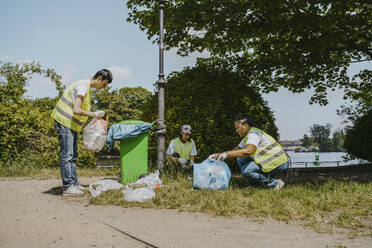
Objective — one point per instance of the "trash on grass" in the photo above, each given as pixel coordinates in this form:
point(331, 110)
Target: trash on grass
point(138, 195)
point(143, 188)
point(103, 185)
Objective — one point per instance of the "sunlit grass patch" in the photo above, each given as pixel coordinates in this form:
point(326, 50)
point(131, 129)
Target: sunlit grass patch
point(322, 206)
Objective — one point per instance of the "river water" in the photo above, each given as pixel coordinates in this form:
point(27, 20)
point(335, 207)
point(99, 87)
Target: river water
point(326, 159)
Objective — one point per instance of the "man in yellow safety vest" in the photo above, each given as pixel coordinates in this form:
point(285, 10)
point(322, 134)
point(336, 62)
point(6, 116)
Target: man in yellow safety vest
point(70, 114)
point(182, 150)
point(258, 155)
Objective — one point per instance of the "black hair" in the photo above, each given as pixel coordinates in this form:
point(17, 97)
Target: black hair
point(246, 119)
point(105, 74)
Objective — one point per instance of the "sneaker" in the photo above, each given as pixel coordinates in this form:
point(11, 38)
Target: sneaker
point(279, 185)
point(72, 191)
point(80, 187)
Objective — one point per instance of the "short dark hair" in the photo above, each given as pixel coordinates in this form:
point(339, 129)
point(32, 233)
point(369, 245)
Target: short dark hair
point(105, 74)
point(245, 118)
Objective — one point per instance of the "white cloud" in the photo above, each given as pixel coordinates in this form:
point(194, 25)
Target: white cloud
point(5, 58)
point(67, 73)
point(121, 73)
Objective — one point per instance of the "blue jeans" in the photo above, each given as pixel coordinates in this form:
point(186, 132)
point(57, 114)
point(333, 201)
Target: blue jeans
point(68, 155)
point(256, 176)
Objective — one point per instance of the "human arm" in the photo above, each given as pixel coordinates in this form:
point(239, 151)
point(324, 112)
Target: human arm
point(244, 149)
point(79, 111)
point(247, 151)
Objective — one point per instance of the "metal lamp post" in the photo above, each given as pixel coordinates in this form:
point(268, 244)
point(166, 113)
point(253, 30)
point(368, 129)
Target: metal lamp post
point(161, 128)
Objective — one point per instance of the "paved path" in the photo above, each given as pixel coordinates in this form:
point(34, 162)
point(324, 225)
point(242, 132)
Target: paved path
point(32, 215)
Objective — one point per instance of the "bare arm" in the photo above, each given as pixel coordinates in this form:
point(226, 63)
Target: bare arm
point(238, 152)
point(242, 152)
point(236, 148)
point(77, 107)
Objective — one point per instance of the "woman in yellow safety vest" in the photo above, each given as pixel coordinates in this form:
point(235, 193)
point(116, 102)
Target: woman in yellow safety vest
point(258, 155)
point(182, 150)
point(70, 114)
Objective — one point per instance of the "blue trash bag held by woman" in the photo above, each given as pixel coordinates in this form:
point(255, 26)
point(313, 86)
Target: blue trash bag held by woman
point(211, 174)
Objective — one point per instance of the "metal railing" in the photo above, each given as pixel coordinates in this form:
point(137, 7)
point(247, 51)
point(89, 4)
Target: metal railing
point(318, 164)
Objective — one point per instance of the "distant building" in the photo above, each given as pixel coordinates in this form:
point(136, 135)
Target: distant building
point(293, 145)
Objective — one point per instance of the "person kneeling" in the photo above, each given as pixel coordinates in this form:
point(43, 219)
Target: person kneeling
point(182, 150)
point(258, 155)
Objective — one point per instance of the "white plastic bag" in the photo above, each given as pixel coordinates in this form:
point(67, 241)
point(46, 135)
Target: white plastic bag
point(138, 195)
point(149, 182)
point(95, 133)
point(103, 185)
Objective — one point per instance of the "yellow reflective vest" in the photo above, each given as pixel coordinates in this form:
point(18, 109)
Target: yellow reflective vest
point(269, 156)
point(63, 111)
point(183, 150)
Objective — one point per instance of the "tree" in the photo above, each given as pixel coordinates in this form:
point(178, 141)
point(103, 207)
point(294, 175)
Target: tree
point(307, 141)
point(359, 136)
point(320, 135)
point(122, 104)
point(337, 141)
point(209, 97)
point(295, 44)
point(358, 116)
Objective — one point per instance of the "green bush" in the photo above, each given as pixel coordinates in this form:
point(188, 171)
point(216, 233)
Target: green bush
point(358, 138)
point(28, 137)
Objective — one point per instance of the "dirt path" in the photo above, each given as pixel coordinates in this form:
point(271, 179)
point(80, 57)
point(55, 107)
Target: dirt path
point(31, 215)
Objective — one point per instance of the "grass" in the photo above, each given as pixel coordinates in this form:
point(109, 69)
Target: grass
point(328, 206)
point(324, 206)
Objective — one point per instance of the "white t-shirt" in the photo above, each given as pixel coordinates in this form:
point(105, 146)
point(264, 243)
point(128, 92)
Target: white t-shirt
point(80, 90)
point(255, 138)
point(170, 149)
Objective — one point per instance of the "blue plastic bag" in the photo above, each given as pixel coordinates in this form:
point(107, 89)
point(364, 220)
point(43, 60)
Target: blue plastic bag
point(211, 174)
point(126, 130)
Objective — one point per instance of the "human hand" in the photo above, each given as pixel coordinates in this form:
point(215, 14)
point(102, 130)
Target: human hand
point(222, 156)
point(182, 161)
point(213, 156)
point(99, 113)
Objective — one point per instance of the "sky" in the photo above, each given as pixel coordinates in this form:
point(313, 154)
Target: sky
point(79, 37)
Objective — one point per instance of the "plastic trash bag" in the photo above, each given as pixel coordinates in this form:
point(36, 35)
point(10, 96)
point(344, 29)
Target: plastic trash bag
point(149, 183)
point(150, 180)
point(138, 195)
point(103, 185)
point(211, 174)
point(126, 129)
point(95, 133)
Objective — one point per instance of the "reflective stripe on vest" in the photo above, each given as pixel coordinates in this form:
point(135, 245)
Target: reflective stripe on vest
point(269, 156)
point(185, 150)
point(64, 113)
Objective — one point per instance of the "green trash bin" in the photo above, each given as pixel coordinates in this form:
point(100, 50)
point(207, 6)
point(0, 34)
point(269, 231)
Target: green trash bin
point(133, 154)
